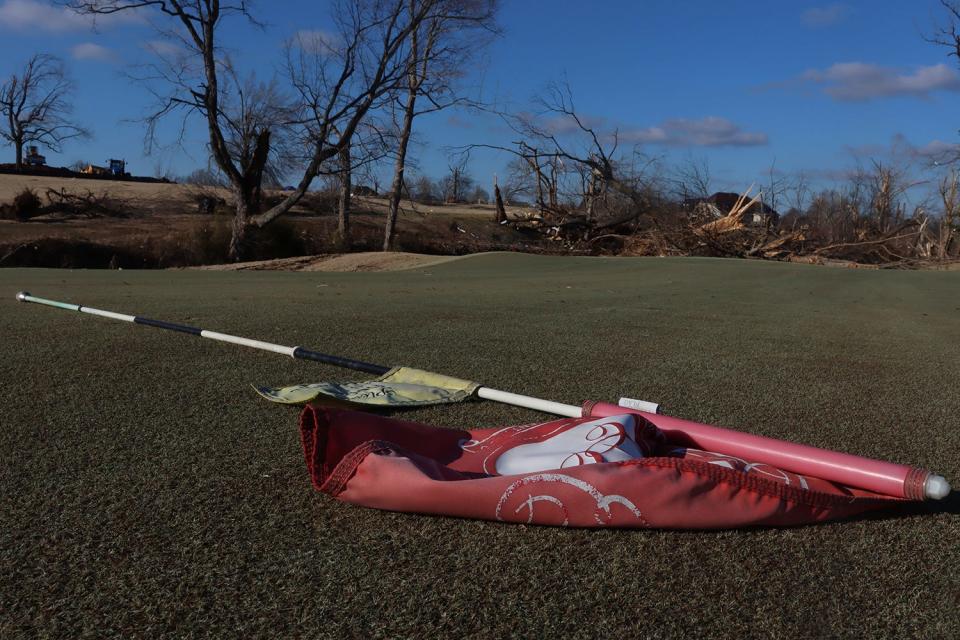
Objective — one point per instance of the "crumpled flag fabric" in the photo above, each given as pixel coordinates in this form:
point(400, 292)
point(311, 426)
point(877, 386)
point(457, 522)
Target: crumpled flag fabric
point(399, 387)
point(616, 471)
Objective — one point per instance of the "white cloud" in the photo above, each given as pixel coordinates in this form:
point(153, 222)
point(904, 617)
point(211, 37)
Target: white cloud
point(27, 14)
point(20, 15)
point(565, 124)
point(710, 131)
point(92, 51)
point(818, 17)
point(858, 81)
point(938, 151)
point(315, 40)
point(935, 151)
point(900, 148)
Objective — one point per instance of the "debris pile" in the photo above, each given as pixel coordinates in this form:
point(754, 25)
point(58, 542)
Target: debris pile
point(872, 231)
point(86, 204)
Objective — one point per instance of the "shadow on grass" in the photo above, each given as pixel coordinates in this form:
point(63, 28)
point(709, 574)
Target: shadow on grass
point(949, 505)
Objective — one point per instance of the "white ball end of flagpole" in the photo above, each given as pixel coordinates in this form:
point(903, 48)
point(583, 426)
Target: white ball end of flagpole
point(936, 487)
point(22, 296)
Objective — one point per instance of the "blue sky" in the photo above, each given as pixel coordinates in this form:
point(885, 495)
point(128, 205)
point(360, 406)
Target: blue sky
point(809, 86)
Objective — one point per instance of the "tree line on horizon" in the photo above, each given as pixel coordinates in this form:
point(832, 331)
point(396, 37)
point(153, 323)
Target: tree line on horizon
point(347, 101)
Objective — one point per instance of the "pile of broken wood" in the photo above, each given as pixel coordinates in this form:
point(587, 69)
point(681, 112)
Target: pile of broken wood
point(910, 242)
point(86, 204)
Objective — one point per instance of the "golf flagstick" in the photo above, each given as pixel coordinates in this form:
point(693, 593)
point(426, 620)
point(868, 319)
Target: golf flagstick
point(875, 475)
point(487, 393)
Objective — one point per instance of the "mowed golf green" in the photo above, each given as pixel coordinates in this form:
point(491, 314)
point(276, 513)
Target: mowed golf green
point(146, 489)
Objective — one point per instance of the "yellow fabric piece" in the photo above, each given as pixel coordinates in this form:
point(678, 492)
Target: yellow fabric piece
point(399, 387)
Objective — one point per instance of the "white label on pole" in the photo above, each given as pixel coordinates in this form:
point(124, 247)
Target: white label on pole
point(247, 342)
point(639, 405)
point(107, 314)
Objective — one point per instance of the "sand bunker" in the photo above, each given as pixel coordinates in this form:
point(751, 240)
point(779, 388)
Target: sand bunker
point(367, 261)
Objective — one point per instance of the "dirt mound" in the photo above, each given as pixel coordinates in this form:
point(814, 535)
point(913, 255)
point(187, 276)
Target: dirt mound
point(365, 261)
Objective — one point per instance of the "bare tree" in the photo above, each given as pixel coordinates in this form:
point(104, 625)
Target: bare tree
point(439, 50)
point(343, 201)
point(479, 195)
point(778, 184)
point(887, 186)
point(799, 191)
point(555, 154)
point(950, 197)
point(203, 177)
point(455, 184)
point(335, 84)
point(947, 35)
point(342, 87)
point(501, 212)
point(538, 173)
point(546, 171)
point(254, 118)
point(424, 191)
point(692, 178)
point(356, 166)
point(600, 155)
point(36, 106)
point(521, 182)
point(195, 77)
point(591, 186)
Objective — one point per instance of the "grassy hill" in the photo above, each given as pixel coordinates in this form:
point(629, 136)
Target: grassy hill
point(147, 489)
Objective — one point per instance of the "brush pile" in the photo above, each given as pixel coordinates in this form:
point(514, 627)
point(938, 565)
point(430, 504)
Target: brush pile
point(86, 204)
point(867, 226)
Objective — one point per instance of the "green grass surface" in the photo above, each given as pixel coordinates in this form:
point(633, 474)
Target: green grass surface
point(147, 490)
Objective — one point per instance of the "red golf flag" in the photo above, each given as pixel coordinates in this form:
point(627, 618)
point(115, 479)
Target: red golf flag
point(586, 472)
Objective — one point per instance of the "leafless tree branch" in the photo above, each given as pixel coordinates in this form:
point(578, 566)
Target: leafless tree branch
point(36, 106)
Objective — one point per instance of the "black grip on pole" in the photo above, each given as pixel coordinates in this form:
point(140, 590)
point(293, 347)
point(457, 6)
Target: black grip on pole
point(160, 324)
point(337, 361)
